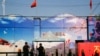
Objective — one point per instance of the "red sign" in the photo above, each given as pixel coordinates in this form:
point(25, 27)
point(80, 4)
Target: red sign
point(89, 49)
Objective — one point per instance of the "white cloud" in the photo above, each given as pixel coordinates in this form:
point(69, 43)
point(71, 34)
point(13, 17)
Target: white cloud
point(61, 17)
point(18, 19)
point(12, 17)
point(44, 18)
point(52, 21)
point(5, 32)
point(74, 20)
point(4, 22)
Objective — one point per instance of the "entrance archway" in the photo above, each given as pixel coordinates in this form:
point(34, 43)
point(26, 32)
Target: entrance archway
point(48, 41)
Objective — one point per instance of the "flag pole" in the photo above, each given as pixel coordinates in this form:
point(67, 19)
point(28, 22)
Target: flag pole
point(3, 6)
point(90, 12)
point(34, 4)
point(36, 8)
point(90, 7)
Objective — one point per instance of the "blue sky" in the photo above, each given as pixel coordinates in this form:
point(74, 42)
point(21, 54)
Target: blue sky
point(44, 8)
point(50, 7)
point(22, 28)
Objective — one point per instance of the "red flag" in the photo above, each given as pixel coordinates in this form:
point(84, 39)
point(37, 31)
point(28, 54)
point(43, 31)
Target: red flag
point(90, 4)
point(33, 4)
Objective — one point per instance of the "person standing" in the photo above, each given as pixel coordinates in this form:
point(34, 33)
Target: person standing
point(32, 52)
point(26, 49)
point(56, 52)
point(41, 50)
point(19, 52)
point(96, 53)
point(69, 53)
point(82, 53)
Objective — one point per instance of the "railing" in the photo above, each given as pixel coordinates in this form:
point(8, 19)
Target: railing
point(9, 53)
point(14, 53)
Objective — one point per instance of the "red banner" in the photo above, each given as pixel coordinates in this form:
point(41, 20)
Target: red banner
point(89, 49)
